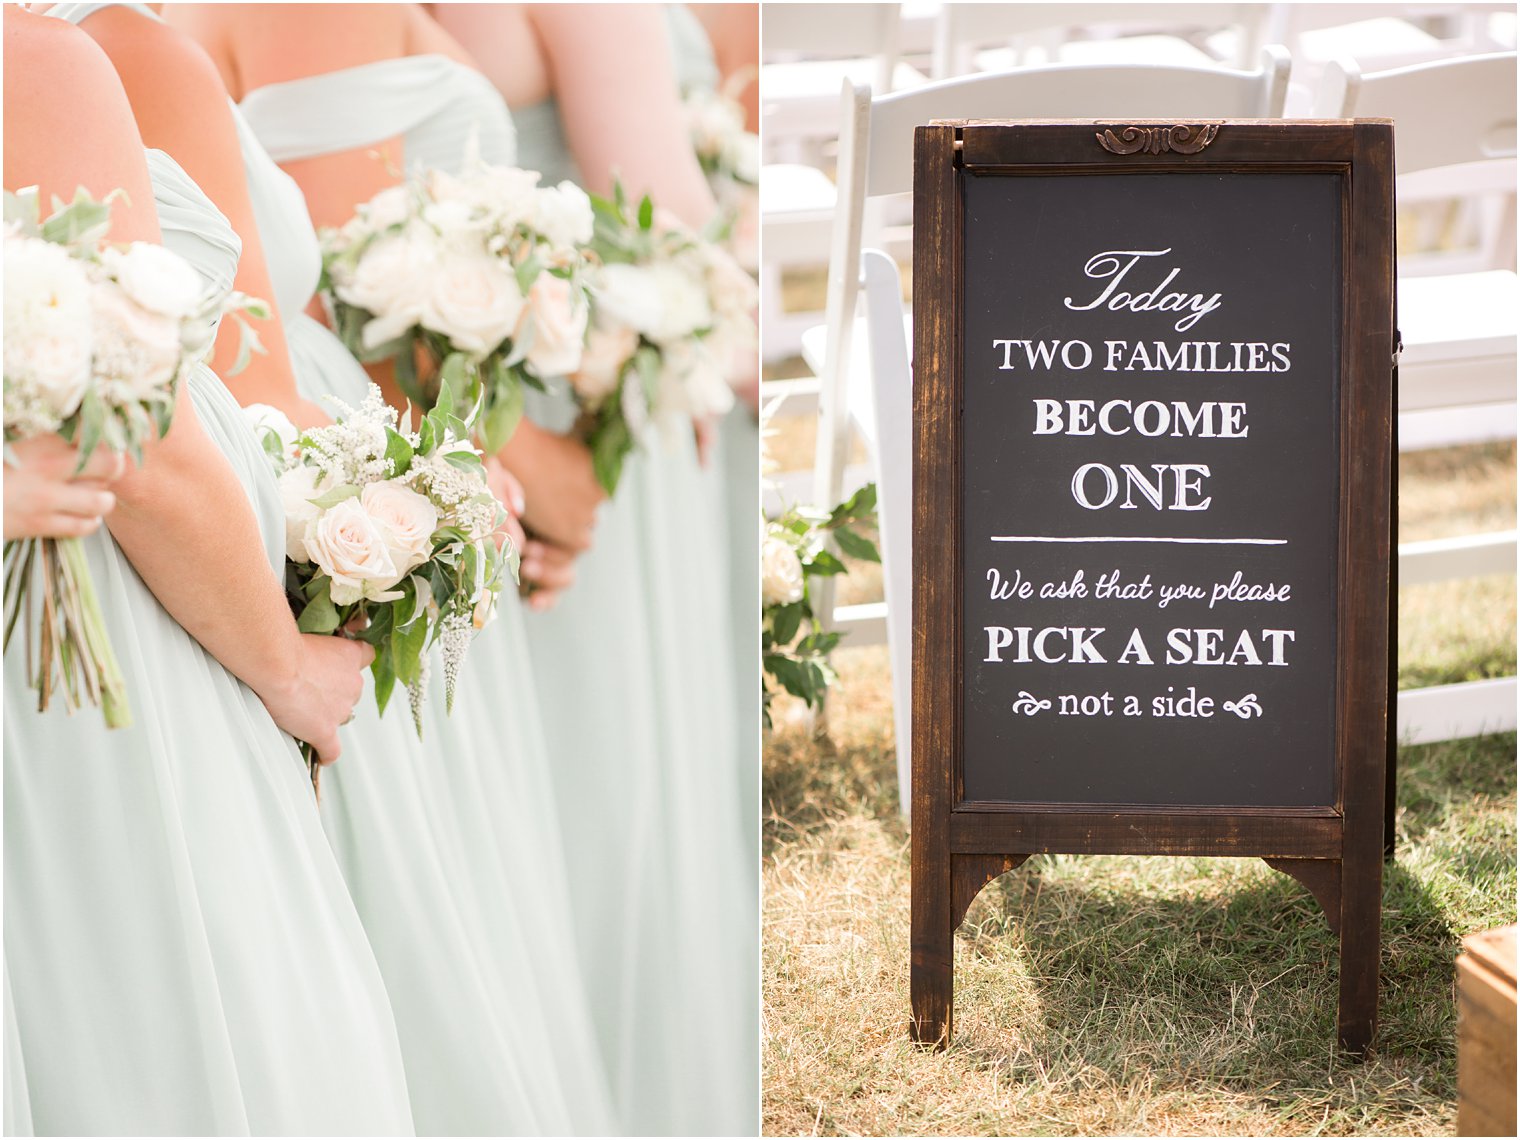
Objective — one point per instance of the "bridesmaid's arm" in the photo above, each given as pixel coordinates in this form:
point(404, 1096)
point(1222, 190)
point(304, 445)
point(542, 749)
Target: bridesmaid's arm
point(181, 108)
point(182, 518)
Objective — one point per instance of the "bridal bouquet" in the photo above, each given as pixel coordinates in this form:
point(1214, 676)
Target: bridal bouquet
point(97, 338)
point(668, 311)
point(390, 534)
point(482, 268)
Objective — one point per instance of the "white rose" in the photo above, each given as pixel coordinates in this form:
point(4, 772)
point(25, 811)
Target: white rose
point(741, 155)
point(564, 215)
point(683, 307)
point(264, 418)
point(459, 227)
point(138, 349)
point(558, 326)
point(627, 295)
point(48, 324)
point(298, 486)
point(733, 291)
point(780, 572)
point(390, 207)
point(160, 281)
point(350, 546)
point(406, 519)
point(390, 280)
point(505, 194)
point(474, 301)
point(608, 349)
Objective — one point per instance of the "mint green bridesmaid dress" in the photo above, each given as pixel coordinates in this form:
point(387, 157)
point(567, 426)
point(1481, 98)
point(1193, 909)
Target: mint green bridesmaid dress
point(509, 1048)
point(181, 953)
point(657, 757)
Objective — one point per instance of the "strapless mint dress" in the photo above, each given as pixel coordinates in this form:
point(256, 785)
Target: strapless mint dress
point(657, 766)
point(451, 846)
point(181, 952)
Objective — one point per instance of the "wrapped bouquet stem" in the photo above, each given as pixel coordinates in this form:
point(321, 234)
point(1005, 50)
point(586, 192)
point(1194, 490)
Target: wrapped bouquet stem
point(97, 340)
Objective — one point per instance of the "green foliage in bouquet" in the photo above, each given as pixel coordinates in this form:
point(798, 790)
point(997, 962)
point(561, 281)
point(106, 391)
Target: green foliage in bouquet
point(794, 551)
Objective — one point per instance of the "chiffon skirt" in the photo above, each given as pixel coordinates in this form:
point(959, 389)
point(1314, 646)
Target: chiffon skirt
point(181, 953)
point(636, 681)
point(450, 847)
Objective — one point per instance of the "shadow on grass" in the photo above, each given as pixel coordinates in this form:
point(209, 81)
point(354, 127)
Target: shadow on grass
point(1218, 973)
point(807, 782)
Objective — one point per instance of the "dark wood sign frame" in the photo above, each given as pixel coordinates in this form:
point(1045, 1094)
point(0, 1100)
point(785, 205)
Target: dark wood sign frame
point(959, 846)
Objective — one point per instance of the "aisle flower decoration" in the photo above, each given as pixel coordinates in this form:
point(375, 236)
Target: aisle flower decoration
point(669, 311)
point(481, 270)
point(391, 534)
point(98, 337)
point(794, 549)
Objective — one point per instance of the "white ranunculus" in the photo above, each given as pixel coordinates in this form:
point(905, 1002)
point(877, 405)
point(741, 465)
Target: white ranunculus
point(265, 418)
point(459, 227)
point(351, 547)
point(608, 349)
point(48, 324)
point(390, 280)
point(627, 295)
point(704, 389)
point(407, 520)
point(298, 486)
point(160, 281)
point(564, 215)
point(780, 572)
point(135, 348)
point(474, 301)
point(558, 317)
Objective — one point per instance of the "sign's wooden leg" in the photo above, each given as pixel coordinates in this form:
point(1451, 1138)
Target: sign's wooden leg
point(931, 978)
point(1391, 780)
point(1361, 944)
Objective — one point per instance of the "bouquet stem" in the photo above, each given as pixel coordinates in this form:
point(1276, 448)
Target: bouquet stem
point(314, 767)
point(64, 626)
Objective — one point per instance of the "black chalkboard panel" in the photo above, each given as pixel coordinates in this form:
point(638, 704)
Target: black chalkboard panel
point(1150, 487)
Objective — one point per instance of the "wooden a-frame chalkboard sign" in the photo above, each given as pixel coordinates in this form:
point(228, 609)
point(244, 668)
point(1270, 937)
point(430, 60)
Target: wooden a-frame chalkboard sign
point(1152, 503)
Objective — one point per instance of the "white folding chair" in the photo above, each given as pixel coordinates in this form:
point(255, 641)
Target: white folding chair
point(1454, 135)
point(876, 160)
point(1169, 34)
point(809, 50)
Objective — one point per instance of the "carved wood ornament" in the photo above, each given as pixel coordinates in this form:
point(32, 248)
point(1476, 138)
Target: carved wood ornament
point(1182, 138)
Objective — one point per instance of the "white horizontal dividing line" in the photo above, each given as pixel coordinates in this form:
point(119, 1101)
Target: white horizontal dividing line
point(1110, 538)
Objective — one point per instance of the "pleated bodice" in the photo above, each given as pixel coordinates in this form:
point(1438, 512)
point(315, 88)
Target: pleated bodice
point(435, 103)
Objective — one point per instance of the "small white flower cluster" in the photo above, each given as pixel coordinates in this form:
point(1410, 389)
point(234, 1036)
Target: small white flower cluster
point(725, 149)
point(118, 325)
point(487, 260)
point(352, 450)
point(691, 302)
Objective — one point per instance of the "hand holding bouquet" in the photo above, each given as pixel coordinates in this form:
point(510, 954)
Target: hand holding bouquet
point(668, 312)
point(97, 338)
point(390, 534)
point(483, 269)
